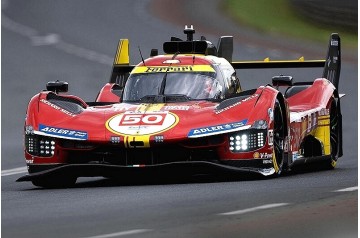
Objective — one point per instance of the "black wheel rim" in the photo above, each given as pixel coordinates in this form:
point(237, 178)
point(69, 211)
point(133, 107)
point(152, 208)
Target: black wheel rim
point(278, 134)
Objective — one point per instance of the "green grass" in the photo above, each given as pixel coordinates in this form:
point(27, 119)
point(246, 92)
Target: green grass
point(277, 17)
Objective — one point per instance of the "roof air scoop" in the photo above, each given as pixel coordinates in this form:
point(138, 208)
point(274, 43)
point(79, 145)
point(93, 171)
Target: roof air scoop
point(189, 31)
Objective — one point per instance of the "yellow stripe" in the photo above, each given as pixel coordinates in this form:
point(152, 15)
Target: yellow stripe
point(276, 167)
point(322, 133)
point(172, 69)
point(150, 107)
point(143, 138)
point(122, 53)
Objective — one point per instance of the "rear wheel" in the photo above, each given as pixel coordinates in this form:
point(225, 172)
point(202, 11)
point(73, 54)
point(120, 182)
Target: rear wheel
point(334, 136)
point(279, 137)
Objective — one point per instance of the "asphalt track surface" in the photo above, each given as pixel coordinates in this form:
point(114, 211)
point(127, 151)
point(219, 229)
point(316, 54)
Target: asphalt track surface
point(75, 41)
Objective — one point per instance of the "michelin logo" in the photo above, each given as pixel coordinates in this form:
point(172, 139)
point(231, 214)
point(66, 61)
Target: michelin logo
point(63, 133)
point(218, 129)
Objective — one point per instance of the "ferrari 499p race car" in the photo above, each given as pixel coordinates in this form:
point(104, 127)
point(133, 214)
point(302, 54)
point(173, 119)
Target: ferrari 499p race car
point(184, 111)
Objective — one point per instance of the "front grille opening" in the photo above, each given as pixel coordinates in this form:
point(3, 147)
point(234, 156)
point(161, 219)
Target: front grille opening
point(209, 141)
point(144, 156)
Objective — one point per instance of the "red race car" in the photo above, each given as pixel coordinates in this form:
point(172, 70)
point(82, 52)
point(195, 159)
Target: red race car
point(185, 112)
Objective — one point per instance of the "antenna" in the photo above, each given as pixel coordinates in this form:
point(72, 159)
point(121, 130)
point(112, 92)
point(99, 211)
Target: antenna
point(142, 58)
point(189, 31)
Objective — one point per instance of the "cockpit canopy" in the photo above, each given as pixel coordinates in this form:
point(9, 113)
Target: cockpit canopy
point(196, 82)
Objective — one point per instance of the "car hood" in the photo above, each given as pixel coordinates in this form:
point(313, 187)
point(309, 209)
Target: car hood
point(172, 121)
point(175, 120)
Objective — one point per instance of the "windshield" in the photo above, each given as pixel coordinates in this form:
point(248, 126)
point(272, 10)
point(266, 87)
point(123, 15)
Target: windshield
point(199, 85)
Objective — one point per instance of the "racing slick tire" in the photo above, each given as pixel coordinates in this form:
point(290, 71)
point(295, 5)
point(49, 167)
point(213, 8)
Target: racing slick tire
point(334, 136)
point(67, 182)
point(279, 131)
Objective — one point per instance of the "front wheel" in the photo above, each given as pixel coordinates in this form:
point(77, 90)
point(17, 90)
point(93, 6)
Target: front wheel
point(279, 132)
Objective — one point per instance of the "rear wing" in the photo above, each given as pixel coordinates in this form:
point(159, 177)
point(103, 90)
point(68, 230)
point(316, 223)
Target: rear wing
point(331, 63)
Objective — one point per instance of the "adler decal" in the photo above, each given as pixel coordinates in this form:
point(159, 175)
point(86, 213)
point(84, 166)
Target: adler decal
point(218, 129)
point(135, 123)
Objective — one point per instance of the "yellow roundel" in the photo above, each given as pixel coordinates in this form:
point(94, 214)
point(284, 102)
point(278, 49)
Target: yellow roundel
point(141, 123)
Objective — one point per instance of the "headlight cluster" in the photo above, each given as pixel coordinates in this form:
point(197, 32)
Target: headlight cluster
point(39, 145)
point(247, 140)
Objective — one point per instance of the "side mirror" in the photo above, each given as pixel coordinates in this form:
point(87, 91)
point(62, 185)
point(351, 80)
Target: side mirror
point(57, 86)
point(282, 81)
point(154, 52)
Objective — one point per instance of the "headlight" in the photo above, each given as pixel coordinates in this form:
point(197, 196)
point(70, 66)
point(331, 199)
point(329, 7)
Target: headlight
point(40, 145)
point(247, 140)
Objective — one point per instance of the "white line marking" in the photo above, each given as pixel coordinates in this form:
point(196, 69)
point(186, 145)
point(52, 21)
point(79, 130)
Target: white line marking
point(347, 189)
point(49, 39)
point(253, 209)
point(121, 233)
point(19, 170)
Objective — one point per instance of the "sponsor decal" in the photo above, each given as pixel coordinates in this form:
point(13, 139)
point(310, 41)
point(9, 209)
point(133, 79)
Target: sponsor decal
point(267, 161)
point(146, 107)
point(218, 129)
point(270, 137)
point(172, 69)
point(63, 133)
point(266, 155)
point(29, 161)
point(137, 123)
point(176, 108)
point(258, 155)
point(122, 107)
point(57, 107)
point(236, 104)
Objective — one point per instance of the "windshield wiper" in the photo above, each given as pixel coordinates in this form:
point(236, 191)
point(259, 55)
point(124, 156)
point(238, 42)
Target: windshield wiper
point(163, 82)
point(165, 98)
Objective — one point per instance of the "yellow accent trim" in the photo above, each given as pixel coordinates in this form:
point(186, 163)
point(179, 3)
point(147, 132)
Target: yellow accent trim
point(278, 61)
point(143, 138)
point(276, 166)
point(302, 59)
point(172, 69)
point(322, 133)
point(122, 53)
point(150, 107)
